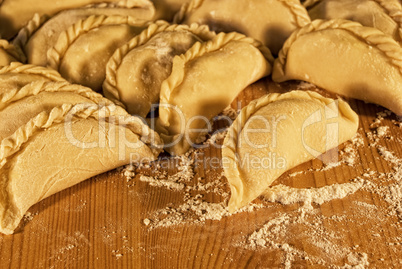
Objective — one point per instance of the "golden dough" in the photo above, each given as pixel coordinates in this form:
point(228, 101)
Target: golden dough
point(63, 147)
point(82, 51)
point(17, 75)
point(203, 82)
point(269, 21)
point(346, 58)
point(278, 132)
point(384, 15)
point(16, 13)
point(9, 53)
point(135, 72)
point(166, 9)
point(41, 32)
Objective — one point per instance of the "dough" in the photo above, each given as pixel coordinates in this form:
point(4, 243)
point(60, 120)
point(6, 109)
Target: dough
point(278, 132)
point(82, 51)
point(16, 13)
point(136, 70)
point(203, 82)
point(63, 147)
point(19, 105)
point(9, 53)
point(166, 9)
point(345, 58)
point(269, 21)
point(17, 75)
point(384, 15)
point(41, 32)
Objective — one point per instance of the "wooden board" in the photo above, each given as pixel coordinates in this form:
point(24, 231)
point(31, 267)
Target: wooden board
point(100, 223)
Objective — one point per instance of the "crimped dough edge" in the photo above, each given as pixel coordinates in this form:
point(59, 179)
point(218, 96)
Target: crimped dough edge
point(110, 88)
point(301, 16)
point(371, 36)
point(233, 175)
point(66, 38)
point(12, 50)
point(20, 68)
point(37, 87)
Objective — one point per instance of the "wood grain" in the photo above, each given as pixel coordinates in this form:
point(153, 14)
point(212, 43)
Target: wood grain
point(100, 222)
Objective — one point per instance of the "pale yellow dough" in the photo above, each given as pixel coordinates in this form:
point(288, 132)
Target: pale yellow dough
point(278, 132)
point(41, 32)
point(203, 82)
point(385, 15)
point(63, 147)
point(269, 21)
point(136, 70)
point(346, 58)
point(82, 51)
point(14, 14)
point(16, 75)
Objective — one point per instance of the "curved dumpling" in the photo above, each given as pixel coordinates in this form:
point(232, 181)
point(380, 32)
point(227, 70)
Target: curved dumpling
point(203, 82)
point(135, 72)
point(278, 132)
point(41, 32)
point(63, 147)
point(345, 58)
point(16, 13)
point(9, 53)
point(380, 14)
point(17, 75)
point(18, 106)
point(269, 21)
point(81, 52)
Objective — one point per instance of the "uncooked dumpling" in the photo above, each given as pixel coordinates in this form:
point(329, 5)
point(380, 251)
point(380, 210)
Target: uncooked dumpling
point(278, 132)
point(9, 53)
point(16, 13)
point(380, 14)
point(136, 70)
point(269, 21)
point(41, 32)
point(345, 58)
point(17, 75)
point(81, 52)
point(18, 106)
point(203, 82)
point(63, 147)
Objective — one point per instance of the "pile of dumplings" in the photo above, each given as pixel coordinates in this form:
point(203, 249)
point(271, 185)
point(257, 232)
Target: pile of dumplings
point(90, 85)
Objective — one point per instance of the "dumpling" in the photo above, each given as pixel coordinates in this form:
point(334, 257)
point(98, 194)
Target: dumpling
point(16, 13)
point(383, 15)
point(278, 132)
point(9, 53)
point(269, 21)
point(63, 147)
point(203, 82)
point(17, 75)
point(166, 9)
point(18, 106)
point(41, 32)
point(346, 58)
point(135, 72)
point(82, 51)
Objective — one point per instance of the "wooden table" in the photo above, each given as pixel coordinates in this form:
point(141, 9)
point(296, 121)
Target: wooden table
point(101, 223)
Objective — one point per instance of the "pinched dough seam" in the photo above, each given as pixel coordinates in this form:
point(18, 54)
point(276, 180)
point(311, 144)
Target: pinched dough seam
point(45, 120)
point(230, 142)
point(37, 21)
point(392, 7)
point(110, 83)
point(19, 68)
point(12, 50)
point(37, 87)
point(177, 75)
point(371, 36)
point(301, 16)
point(66, 38)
